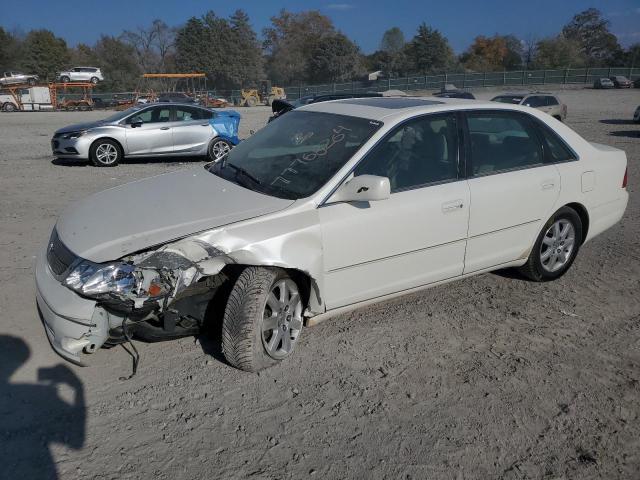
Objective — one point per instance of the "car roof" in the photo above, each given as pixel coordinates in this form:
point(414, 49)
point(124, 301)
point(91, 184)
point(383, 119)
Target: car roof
point(387, 108)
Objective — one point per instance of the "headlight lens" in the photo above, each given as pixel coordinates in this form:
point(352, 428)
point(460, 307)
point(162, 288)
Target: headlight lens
point(93, 279)
point(74, 134)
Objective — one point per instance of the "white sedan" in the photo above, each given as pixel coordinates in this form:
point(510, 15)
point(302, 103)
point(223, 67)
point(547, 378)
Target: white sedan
point(330, 207)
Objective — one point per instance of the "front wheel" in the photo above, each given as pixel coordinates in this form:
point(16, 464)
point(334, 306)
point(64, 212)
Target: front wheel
point(556, 247)
point(105, 153)
point(65, 79)
point(218, 148)
point(262, 320)
point(9, 107)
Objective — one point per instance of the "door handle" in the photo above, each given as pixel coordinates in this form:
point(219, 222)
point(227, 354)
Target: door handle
point(549, 184)
point(452, 206)
point(164, 128)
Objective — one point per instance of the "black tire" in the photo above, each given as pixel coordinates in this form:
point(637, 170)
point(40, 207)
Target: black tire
point(94, 80)
point(243, 344)
point(534, 268)
point(9, 107)
point(94, 153)
point(31, 81)
point(558, 117)
point(65, 79)
point(218, 148)
point(252, 102)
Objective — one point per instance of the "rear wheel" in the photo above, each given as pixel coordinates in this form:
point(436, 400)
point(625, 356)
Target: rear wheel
point(218, 148)
point(556, 247)
point(105, 153)
point(94, 80)
point(64, 79)
point(31, 81)
point(262, 320)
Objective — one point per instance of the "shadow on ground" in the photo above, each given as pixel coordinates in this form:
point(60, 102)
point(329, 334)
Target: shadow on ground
point(617, 121)
point(33, 416)
point(77, 162)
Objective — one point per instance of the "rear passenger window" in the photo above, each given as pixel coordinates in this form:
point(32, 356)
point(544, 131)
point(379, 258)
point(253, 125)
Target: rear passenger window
point(552, 101)
point(555, 149)
point(502, 142)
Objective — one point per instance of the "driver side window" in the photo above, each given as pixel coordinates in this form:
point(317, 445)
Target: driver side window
point(420, 152)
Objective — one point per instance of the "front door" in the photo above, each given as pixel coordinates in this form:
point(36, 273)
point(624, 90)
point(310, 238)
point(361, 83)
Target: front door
point(155, 133)
point(513, 191)
point(415, 237)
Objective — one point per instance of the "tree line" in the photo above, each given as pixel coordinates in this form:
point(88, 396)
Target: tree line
point(304, 47)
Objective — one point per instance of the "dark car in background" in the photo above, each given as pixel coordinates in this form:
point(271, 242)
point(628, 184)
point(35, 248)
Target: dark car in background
point(620, 81)
point(280, 107)
point(454, 94)
point(176, 97)
point(604, 82)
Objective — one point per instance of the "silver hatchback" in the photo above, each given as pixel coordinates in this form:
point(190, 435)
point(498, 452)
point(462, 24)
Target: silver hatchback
point(164, 130)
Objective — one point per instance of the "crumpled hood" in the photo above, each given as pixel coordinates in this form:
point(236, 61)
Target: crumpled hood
point(156, 210)
point(76, 127)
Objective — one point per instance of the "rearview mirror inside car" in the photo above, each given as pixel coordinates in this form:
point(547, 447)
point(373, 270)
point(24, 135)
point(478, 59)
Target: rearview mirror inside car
point(363, 188)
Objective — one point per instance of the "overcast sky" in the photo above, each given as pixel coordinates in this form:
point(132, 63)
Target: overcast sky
point(362, 20)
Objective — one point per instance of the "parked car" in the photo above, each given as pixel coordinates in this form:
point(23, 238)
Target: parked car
point(454, 94)
point(166, 130)
point(636, 115)
point(280, 107)
point(81, 74)
point(603, 83)
point(620, 81)
point(176, 97)
point(546, 102)
point(334, 206)
point(13, 78)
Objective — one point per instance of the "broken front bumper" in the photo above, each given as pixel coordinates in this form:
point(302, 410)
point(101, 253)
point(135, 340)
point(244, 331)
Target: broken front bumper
point(73, 324)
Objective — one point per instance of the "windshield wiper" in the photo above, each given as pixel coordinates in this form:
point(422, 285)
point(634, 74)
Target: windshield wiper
point(242, 171)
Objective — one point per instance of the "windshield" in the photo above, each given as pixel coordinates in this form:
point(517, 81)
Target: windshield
point(507, 99)
point(120, 115)
point(295, 156)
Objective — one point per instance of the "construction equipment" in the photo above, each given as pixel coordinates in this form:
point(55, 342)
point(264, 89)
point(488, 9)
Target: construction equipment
point(265, 96)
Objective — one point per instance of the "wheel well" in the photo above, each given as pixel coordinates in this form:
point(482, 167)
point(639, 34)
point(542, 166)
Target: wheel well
point(108, 138)
point(584, 217)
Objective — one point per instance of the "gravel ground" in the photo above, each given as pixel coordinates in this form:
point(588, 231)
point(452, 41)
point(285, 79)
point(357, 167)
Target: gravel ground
point(489, 377)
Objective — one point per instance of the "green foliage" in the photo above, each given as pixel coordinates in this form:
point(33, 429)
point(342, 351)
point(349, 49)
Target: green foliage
point(44, 54)
point(392, 41)
point(227, 50)
point(429, 52)
point(590, 31)
point(558, 52)
point(118, 63)
point(290, 44)
point(9, 51)
point(333, 58)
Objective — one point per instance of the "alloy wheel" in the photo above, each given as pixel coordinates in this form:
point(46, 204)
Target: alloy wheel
point(557, 245)
point(106, 153)
point(282, 319)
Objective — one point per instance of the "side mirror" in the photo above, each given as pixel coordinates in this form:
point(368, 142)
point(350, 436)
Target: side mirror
point(136, 122)
point(363, 188)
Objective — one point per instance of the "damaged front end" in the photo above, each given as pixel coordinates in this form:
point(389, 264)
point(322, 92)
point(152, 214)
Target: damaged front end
point(159, 294)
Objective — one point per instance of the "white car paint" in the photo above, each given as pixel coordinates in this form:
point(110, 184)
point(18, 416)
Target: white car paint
point(352, 253)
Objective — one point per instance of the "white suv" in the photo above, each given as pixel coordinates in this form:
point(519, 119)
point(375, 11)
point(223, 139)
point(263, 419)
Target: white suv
point(81, 74)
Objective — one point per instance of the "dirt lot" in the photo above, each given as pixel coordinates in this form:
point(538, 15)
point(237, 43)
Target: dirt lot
point(490, 377)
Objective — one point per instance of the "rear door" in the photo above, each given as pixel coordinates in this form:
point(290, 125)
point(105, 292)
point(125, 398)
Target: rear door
point(191, 130)
point(155, 133)
point(513, 191)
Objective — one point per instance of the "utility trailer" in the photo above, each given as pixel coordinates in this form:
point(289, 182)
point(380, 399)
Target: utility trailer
point(45, 97)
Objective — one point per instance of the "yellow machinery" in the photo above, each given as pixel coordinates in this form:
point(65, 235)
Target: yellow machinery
point(267, 94)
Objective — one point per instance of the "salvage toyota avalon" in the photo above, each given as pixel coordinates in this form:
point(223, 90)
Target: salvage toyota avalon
point(165, 130)
point(334, 206)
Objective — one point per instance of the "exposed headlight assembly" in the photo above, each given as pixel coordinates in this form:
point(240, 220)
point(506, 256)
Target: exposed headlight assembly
point(117, 279)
